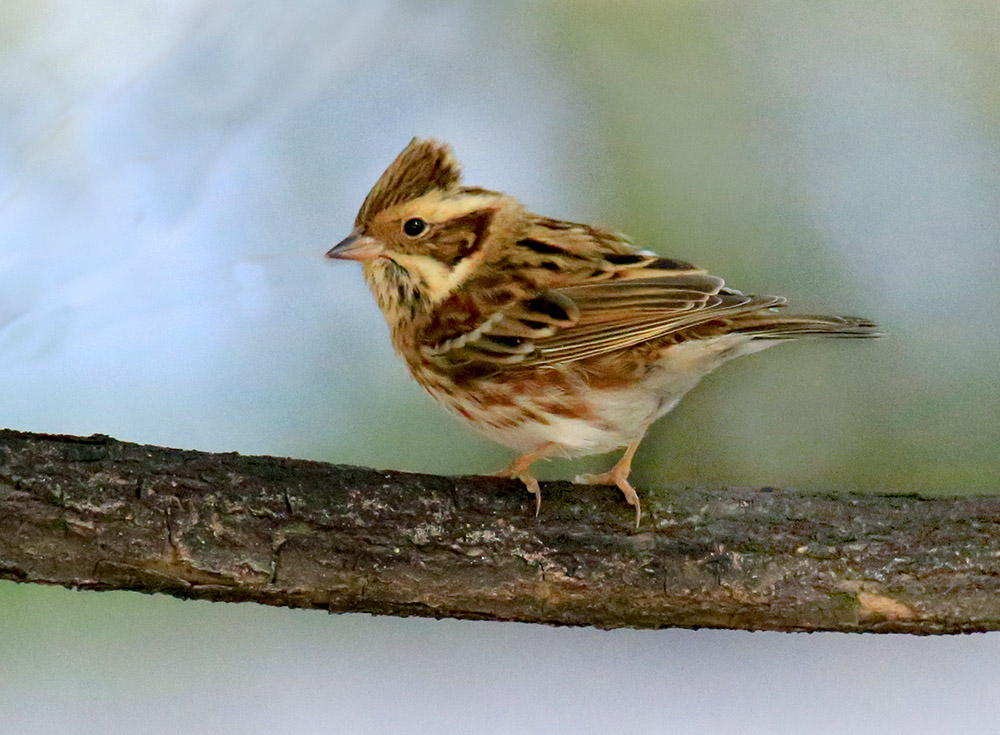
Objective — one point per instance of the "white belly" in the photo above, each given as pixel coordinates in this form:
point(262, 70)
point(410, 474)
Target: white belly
point(619, 416)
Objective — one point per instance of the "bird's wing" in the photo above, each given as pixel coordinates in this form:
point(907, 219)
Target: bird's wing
point(597, 317)
point(616, 315)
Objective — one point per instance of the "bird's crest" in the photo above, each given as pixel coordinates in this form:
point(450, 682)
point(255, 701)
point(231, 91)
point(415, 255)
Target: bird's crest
point(423, 166)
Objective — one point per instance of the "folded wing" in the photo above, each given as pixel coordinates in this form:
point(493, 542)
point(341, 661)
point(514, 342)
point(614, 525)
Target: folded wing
point(578, 322)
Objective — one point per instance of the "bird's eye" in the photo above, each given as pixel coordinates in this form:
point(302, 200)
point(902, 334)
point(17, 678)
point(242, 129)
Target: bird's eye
point(413, 227)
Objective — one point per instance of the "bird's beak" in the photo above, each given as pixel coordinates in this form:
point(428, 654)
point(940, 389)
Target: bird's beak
point(356, 247)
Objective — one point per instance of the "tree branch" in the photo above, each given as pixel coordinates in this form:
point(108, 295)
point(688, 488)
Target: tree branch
point(96, 513)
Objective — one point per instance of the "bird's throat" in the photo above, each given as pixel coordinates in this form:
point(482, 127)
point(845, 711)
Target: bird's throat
point(396, 292)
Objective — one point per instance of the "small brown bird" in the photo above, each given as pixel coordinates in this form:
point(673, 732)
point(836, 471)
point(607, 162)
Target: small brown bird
point(550, 337)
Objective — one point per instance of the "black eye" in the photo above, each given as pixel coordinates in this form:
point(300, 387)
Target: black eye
point(414, 227)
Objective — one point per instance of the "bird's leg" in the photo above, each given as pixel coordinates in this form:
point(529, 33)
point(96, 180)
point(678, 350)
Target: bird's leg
point(519, 469)
point(618, 475)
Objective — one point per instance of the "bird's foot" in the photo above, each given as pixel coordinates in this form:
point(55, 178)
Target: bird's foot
point(615, 477)
point(518, 469)
point(529, 481)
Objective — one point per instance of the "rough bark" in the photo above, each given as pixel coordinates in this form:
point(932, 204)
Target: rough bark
point(96, 513)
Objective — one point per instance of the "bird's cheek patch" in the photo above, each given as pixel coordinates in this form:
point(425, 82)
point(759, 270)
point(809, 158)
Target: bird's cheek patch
point(458, 238)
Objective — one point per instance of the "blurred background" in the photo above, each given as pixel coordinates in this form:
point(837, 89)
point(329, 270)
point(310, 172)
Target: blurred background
point(171, 174)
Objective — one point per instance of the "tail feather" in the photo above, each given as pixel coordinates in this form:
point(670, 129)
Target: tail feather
point(792, 326)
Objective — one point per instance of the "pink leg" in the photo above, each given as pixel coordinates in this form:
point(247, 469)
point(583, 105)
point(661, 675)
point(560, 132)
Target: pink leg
point(519, 469)
point(618, 475)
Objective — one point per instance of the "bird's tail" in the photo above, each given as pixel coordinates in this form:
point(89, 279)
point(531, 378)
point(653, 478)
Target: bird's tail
point(768, 325)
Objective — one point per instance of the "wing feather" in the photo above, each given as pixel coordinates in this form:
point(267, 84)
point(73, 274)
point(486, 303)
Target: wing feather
point(567, 292)
point(583, 321)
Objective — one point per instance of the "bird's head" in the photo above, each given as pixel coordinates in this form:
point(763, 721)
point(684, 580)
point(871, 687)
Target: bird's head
point(420, 234)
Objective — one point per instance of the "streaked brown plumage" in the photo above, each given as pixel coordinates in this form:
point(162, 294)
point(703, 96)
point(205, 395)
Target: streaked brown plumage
point(551, 337)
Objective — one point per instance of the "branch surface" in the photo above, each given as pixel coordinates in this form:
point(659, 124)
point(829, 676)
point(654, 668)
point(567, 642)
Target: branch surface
point(96, 513)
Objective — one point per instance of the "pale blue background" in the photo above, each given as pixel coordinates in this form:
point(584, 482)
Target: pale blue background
point(171, 173)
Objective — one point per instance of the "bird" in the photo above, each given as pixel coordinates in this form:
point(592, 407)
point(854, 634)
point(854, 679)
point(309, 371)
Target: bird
point(551, 337)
